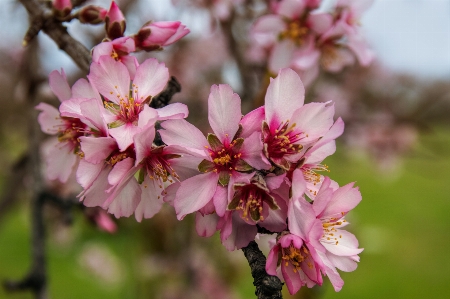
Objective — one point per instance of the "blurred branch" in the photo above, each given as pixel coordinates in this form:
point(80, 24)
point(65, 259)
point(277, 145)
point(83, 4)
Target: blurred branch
point(267, 286)
point(40, 19)
point(13, 184)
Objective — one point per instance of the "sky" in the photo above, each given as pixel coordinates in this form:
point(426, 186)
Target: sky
point(411, 35)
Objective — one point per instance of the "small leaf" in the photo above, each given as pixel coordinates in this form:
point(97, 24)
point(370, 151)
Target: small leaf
point(224, 178)
point(206, 166)
point(214, 142)
point(242, 166)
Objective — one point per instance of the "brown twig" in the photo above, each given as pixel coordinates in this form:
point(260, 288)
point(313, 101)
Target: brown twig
point(41, 19)
point(267, 286)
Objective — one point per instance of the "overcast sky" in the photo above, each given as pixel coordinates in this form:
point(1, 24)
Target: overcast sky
point(411, 35)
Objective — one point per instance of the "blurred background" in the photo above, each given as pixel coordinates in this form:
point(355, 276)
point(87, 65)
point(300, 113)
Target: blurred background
point(396, 147)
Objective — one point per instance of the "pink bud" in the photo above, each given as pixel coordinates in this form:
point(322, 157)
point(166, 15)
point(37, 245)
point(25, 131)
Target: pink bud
point(153, 36)
point(62, 8)
point(115, 22)
point(92, 14)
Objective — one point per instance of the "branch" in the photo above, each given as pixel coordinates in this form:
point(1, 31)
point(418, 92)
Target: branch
point(40, 19)
point(267, 286)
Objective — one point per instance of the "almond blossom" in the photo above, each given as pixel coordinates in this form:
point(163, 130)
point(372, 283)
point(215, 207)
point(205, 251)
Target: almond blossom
point(226, 156)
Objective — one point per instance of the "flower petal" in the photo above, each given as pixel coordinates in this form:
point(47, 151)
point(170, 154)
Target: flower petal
point(206, 225)
point(285, 94)
point(59, 85)
point(224, 112)
point(151, 200)
point(194, 193)
point(110, 78)
point(150, 79)
point(180, 132)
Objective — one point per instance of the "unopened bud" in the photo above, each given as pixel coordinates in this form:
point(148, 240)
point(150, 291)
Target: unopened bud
point(155, 35)
point(115, 22)
point(62, 8)
point(92, 14)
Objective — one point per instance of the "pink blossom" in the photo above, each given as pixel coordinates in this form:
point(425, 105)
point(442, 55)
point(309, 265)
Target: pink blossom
point(225, 155)
point(119, 50)
point(114, 22)
point(320, 224)
point(155, 35)
point(62, 158)
point(126, 102)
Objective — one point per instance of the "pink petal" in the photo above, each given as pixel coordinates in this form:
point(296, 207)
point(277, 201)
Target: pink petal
point(276, 221)
point(224, 112)
point(59, 85)
point(120, 170)
point(220, 200)
point(301, 217)
point(143, 142)
point(292, 279)
point(252, 122)
point(151, 200)
point(266, 29)
point(84, 90)
point(49, 119)
point(131, 64)
point(298, 184)
point(362, 51)
point(124, 135)
point(252, 152)
point(150, 79)
point(147, 117)
point(96, 195)
point(180, 132)
point(285, 94)
point(320, 22)
point(344, 199)
point(241, 235)
point(291, 9)
point(206, 225)
point(194, 193)
point(281, 55)
point(314, 120)
point(274, 182)
point(60, 162)
point(92, 110)
point(125, 201)
point(104, 48)
point(87, 173)
point(347, 244)
point(272, 260)
point(173, 111)
point(96, 150)
point(343, 263)
point(110, 78)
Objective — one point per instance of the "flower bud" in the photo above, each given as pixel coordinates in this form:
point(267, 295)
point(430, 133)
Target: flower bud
point(92, 14)
point(62, 8)
point(155, 35)
point(115, 22)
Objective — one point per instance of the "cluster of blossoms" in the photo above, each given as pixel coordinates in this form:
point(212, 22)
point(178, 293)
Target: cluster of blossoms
point(299, 35)
point(257, 172)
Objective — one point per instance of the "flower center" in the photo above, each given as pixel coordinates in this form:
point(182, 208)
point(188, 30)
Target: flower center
point(296, 31)
point(71, 130)
point(296, 256)
point(226, 157)
point(282, 141)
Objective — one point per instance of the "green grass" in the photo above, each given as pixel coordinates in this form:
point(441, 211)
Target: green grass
point(403, 223)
